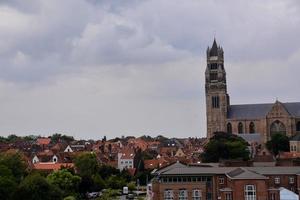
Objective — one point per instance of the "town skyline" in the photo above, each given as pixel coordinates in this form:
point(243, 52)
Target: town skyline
point(137, 68)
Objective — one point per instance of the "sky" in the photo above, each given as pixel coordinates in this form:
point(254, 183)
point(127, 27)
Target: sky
point(89, 68)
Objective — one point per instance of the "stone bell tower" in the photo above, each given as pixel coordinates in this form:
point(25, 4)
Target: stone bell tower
point(217, 99)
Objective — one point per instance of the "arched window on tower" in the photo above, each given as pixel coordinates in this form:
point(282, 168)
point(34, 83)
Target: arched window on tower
point(298, 126)
point(240, 128)
point(252, 127)
point(229, 128)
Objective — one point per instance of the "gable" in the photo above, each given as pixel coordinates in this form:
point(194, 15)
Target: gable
point(278, 110)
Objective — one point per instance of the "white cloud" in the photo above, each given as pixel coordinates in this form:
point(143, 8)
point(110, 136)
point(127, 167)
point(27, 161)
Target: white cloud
point(137, 67)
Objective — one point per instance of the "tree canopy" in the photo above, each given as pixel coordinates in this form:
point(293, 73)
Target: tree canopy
point(225, 146)
point(65, 181)
point(278, 142)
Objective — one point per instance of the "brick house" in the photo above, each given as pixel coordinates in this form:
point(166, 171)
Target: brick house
point(179, 181)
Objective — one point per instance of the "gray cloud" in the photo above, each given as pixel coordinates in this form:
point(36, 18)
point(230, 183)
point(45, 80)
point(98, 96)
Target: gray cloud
point(91, 68)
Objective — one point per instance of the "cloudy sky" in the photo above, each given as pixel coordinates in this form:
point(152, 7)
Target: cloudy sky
point(90, 68)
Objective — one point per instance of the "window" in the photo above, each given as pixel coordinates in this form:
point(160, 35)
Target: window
point(182, 195)
point(240, 128)
point(213, 66)
point(197, 195)
point(221, 180)
point(272, 196)
point(228, 196)
point(293, 148)
point(229, 128)
point(298, 126)
point(277, 180)
point(168, 194)
point(250, 192)
point(291, 180)
point(213, 76)
point(252, 128)
point(215, 102)
point(277, 127)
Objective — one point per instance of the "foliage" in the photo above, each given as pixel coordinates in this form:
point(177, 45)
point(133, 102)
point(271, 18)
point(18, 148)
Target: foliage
point(143, 177)
point(15, 163)
point(139, 160)
point(55, 138)
point(109, 194)
point(86, 164)
point(69, 198)
point(106, 171)
point(225, 146)
point(36, 187)
point(65, 181)
point(278, 142)
point(99, 183)
point(116, 182)
point(8, 187)
point(131, 186)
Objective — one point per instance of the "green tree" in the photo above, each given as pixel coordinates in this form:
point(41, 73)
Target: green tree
point(8, 187)
point(64, 180)
point(106, 171)
point(15, 163)
point(278, 142)
point(86, 164)
point(131, 186)
point(36, 187)
point(225, 146)
point(116, 182)
point(99, 183)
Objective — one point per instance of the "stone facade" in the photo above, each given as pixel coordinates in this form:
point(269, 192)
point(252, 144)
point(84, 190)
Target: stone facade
point(264, 119)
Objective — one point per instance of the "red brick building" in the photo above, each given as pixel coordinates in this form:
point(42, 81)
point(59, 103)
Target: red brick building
point(179, 181)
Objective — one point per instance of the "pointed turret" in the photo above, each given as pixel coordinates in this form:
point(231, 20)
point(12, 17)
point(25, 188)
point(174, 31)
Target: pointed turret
point(214, 49)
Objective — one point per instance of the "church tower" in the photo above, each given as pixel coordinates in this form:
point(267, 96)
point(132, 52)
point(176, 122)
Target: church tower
point(217, 99)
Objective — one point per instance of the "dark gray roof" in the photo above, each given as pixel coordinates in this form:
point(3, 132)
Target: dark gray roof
point(249, 111)
point(293, 108)
point(256, 111)
point(214, 49)
point(242, 173)
point(253, 137)
point(180, 169)
point(295, 138)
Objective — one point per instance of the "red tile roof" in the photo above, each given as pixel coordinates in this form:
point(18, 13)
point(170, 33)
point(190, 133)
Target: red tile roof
point(43, 141)
point(49, 166)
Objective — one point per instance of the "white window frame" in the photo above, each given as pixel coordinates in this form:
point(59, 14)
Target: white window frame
point(197, 195)
point(277, 180)
point(168, 194)
point(291, 180)
point(228, 196)
point(221, 180)
point(182, 194)
point(250, 192)
point(272, 196)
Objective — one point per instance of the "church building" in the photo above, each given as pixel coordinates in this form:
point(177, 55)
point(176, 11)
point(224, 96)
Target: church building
point(265, 119)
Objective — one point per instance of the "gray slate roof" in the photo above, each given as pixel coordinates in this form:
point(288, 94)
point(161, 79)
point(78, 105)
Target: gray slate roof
point(242, 173)
point(179, 169)
point(256, 111)
point(295, 138)
point(253, 137)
